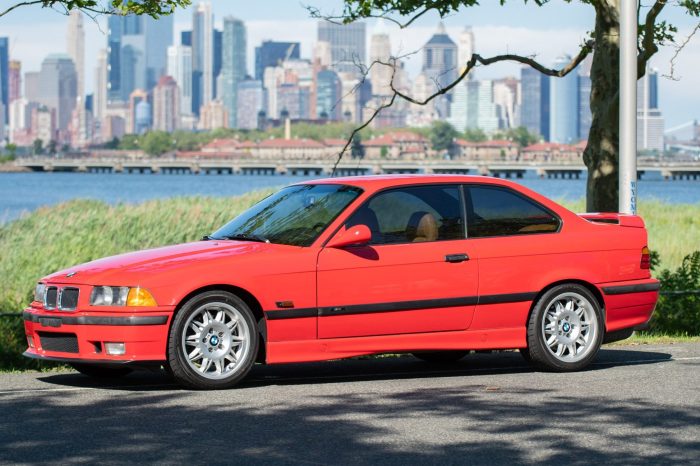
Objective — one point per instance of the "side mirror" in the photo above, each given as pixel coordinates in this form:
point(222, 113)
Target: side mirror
point(354, 236)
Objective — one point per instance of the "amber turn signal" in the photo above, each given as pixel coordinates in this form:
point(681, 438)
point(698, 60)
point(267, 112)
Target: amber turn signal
point(140, 297)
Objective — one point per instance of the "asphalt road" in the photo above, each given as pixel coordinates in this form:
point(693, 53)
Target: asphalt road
point(636, 405)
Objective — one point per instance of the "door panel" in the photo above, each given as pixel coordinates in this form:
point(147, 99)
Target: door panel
point(394, 289)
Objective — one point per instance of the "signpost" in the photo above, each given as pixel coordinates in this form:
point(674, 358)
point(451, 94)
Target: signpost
point(628, 107)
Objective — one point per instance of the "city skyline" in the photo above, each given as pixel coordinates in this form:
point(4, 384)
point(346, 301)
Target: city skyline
point(521, 29)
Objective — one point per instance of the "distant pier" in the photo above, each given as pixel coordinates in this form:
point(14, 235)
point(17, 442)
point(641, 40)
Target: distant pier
point(217, 166)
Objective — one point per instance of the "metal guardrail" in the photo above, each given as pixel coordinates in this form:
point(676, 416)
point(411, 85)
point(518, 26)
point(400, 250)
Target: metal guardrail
point(662, 293)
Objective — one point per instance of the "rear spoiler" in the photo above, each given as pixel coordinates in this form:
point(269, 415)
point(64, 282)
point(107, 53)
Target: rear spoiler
point(625, 220)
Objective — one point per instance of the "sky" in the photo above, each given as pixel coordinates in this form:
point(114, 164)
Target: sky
point(545, 32)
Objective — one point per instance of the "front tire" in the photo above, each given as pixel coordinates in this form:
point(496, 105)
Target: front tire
point(565, 329)
point(213, 341)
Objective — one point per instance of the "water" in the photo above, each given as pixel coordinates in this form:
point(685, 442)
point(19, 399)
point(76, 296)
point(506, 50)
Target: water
point(21, 192)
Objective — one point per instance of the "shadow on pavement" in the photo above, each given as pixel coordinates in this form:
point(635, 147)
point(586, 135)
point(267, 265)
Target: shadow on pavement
point(394, 424)
point(365, 369)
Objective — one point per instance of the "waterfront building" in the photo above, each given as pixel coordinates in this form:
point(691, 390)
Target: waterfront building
point(348, 44)
point(534, 109)
point(234, 66)
point(166, 105)
point(250, 102)
point(272, 53)
point(213, 116)
point(58, 89)
point(44, 127)
point(563, 105)
point(494, 150)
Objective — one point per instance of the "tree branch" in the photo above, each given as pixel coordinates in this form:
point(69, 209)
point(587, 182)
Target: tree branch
point(315, 13)
point(672, 72)
point(649, 45)
point(17, 5)
point(475, 60)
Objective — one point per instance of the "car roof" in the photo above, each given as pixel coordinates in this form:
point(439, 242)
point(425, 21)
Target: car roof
point(374, 182)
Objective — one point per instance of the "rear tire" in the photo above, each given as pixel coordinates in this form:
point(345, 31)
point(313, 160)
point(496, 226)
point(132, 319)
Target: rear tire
point(101, 372)
point(441, 357)
point(213, 341)
point(565, 329)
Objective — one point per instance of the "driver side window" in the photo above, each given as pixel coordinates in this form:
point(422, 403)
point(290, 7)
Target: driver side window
point(412, 215)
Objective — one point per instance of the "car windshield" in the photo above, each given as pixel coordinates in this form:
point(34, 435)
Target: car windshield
point(296, 215)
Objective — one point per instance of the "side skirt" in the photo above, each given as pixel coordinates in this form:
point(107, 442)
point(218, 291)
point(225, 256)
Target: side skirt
point(339, 348)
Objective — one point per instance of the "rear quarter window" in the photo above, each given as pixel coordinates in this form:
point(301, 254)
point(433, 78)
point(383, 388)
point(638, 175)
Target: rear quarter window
point(496, 211)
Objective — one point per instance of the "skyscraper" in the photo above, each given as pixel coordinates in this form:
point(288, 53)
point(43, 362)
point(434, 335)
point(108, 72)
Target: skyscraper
point(534, 109)
point(101, 85)
point(440, 58)
point(380, 52)
point(137, 49)
point(180, 69)
point(166, 105)
point(233, 65)
point(14, 81)
point(465, 48)
point(650, 121)
point(58, 89)
point(348, 44)
point(75, 46)
point(202, 56)
point(328, 95)
point(563, 105)
point(217, 61)
point(4, 75)
point(251, 101)
point(271, 53)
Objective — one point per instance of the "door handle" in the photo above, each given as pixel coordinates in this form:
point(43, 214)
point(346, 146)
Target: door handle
point(456, 258)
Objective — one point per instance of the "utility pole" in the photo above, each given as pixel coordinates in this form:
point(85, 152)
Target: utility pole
point(628, 107)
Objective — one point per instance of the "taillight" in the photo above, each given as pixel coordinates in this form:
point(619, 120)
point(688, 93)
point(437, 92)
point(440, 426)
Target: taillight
point(646, 259)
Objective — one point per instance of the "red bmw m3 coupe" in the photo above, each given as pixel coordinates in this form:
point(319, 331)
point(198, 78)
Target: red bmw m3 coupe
point(430, 265)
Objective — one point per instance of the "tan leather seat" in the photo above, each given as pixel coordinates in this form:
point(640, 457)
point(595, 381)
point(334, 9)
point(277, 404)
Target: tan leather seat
point(422, 228)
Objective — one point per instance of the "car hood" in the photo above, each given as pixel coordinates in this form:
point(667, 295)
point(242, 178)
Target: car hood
point(133, 266)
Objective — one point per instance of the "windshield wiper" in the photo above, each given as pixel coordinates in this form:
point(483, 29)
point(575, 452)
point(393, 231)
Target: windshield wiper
point(247, 237)
point(208, 238)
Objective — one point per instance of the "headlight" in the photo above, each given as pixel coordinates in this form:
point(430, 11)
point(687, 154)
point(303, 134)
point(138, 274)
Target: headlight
point(121, 296)
point(39, 292)
point(109, 295)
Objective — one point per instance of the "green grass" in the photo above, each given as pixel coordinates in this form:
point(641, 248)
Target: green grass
point(673, 229)
point(644, 338)
point(57, 237)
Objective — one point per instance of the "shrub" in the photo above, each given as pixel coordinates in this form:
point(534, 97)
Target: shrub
point(678, 314)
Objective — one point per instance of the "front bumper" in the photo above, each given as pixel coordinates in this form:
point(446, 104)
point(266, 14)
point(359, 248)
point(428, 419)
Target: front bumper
point(81, 336)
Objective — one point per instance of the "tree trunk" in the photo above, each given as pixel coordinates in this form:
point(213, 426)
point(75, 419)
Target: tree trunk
point(601, 155)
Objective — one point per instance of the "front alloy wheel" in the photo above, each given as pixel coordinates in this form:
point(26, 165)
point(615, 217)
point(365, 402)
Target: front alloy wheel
point(213, 341)
point(565, 329)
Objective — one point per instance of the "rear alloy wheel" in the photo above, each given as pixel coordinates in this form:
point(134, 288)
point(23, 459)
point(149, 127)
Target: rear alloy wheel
point(213, 341)
point(565, 329)
point(441, 357)
point(101, 372)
